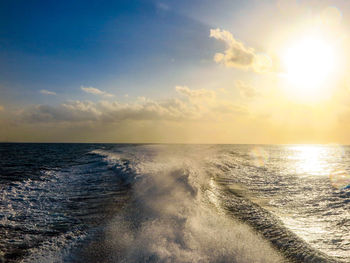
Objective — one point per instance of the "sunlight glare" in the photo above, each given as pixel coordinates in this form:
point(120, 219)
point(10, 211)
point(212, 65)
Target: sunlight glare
point(310, 62)
point(310, 160)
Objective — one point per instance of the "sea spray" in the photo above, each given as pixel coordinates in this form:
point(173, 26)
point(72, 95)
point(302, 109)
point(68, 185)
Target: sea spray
point(173, 203)
point(170, 219)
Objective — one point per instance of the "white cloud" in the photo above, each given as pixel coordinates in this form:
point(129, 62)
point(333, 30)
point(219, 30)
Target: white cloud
point(95, 91)
point(238, 55)
point(47, 92)
point(200, 104)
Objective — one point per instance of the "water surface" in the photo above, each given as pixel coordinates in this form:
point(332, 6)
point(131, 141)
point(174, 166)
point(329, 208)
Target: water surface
point(174, 203)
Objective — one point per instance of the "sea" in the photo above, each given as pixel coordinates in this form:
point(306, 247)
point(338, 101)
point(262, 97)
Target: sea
point(174, 203)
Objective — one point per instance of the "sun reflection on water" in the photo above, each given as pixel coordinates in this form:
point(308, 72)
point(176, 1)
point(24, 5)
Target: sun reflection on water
point(311, 160)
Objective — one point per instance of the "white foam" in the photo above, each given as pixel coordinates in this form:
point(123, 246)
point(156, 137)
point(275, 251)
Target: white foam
point(172, 217)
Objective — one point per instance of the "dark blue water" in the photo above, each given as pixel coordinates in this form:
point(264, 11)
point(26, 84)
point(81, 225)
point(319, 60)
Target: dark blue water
point(52, 191)
point(174, 203)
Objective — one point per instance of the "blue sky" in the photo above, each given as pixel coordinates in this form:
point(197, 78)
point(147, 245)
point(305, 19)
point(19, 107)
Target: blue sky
point(116, 45)
point(162, 70)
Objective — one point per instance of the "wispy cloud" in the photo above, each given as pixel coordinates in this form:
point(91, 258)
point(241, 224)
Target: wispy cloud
point(245, 89)
point(195, 93)
point(200, 104)
point(47, 92)
point(96, 91)
point(238, 55)
point(162, 6)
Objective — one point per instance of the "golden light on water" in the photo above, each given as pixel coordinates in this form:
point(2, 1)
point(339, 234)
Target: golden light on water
point(321, 161)
point(309, 160)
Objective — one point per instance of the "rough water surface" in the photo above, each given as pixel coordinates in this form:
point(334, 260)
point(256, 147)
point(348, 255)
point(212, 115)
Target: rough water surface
point(174, 203)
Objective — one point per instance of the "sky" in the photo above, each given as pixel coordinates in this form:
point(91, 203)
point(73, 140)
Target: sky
point(201, 71)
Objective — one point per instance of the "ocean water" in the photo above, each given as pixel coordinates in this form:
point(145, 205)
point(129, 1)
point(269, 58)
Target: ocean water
point(174, 203)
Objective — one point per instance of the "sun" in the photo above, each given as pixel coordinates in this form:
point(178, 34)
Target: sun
point(309, 64)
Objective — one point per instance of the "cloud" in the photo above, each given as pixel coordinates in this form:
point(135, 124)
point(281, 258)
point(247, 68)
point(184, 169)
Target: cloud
point(238, 55)
point(81, 111)
point(245, 89)
point(95, 91)
point(197, 93)
point(47, 92)
point(200, 104)
point(75, 111)
point(162, 6)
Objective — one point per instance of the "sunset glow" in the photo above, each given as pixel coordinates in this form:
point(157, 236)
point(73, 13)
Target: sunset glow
point(165, 75)
point(175, 131)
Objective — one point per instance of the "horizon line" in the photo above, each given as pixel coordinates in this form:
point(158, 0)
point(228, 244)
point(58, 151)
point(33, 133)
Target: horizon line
point(171, 143)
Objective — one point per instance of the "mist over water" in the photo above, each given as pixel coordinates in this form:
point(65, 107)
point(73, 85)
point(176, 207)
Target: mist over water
point(172, 219)
point(178, 203)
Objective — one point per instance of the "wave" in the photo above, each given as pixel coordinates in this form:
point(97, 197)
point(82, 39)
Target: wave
point(292, 246)
point(176, 208)
point(45, 217)
point(171, 217)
